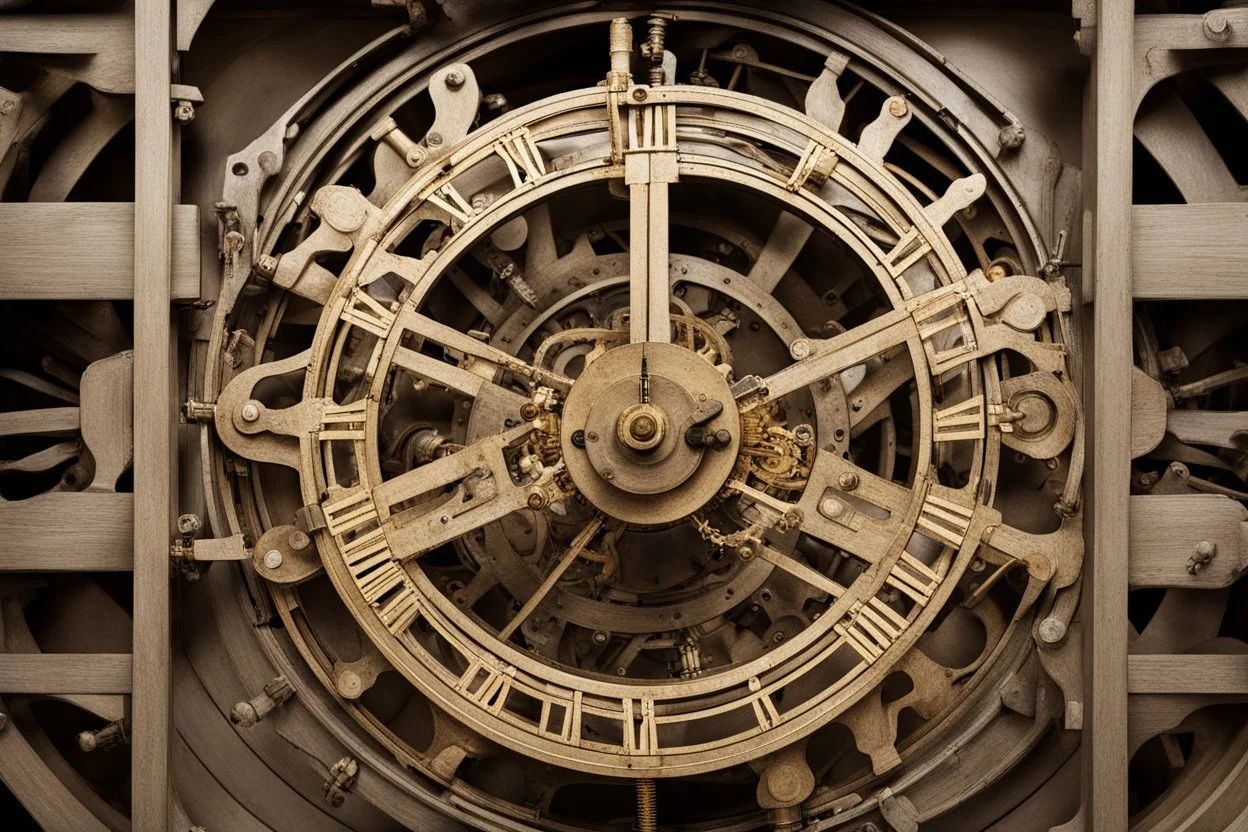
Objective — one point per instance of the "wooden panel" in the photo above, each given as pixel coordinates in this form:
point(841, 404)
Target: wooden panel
point(1165, 530)
point(154, 375)
point(1109, 164)
point(65, 673)
point(68, 531)
point(1188, 673)
point(106, 36)
point(1190, 251)
point(85, 250)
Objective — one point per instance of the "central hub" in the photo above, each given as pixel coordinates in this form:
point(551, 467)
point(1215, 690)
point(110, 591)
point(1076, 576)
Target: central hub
point(635, 463)
point(642, 427)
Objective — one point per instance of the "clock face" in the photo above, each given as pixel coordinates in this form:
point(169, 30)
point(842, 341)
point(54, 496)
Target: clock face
point(638, 517)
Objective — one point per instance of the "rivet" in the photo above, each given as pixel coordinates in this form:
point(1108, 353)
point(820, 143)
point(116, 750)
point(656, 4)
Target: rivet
point(272, 559)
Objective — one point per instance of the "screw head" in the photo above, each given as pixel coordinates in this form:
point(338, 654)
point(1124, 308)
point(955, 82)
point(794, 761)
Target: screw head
point(250, 412)
point(529, 411)
point(455, 79)
point(536, 500)
point(848, 481)
point(799, 349)
point(1205, 548)
point(640, 94)
point(7, 106)
point(578, 438)
point(299, 540)
point(272, 559)
point(831, 507)
point(600, 637)
point(897, 107)
point(434, 139)
point(1012, 136)
point(1051, 630)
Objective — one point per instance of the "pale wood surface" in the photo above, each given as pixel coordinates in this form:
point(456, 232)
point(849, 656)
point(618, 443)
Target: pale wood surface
point(1188, 673)
point(1165, 530)
point(1148, 413)
point(85, 250)
point(1112, 114)
point(1165, 238)
point(64, 673)
point(68, 531)
point(154, 384)
point(106, 414)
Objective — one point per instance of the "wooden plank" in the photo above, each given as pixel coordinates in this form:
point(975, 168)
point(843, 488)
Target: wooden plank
point(1112, 113)
point(85, 250)
point(1165, 530)
point(54, 673)
point(1190, 251)
point(154, 375)
point(1188, 673)
point(38, 538)
point(104, 36)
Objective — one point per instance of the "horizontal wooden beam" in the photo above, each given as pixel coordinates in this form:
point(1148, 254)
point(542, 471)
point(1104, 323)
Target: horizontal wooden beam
point(52, 673)
point(1166, 529)
point(106, 37)
point(68, 531)
point(1190, 251)
point(1188, 673)
point(85, 251)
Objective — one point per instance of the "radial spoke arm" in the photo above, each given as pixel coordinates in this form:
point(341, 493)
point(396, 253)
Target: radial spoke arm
point(801, 571)
point(481, 491)
point(575, 548)
point(462, 342)
point(820, 359)
point(650, 166)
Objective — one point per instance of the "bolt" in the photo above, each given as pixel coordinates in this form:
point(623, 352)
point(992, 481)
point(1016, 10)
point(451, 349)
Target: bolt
point(434, 139)
point(897, 107)
point(529, 411)
point(1217, 27)
point(640, 94)
point(298, 540)
point(1204, 549)
point(600, 637)
point(272, 559)
point(778, 636)
point(250, 412)
point(799, 349)
point(184, 112)
point(996, 272)
point(1051, 630)
point(978, 565)
point(536, 500)
point(455, 79)
point(591, 436)
point(608, 475)
point(831, 507)
point(848, 481)
point(1012, 136)
point(7, 106)
point(578, 438)
point(188, 524)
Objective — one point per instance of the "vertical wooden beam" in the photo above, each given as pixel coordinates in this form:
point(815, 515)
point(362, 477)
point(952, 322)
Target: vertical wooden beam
point(1113, 113)
point(153, 413)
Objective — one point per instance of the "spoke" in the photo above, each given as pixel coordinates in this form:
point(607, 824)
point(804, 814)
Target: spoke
point(453, 339)
point(788, 238)
point(457, 379)
point(834, 355)
point(575, 548)
point(866, 399)
point(483, 492)
point(802, 572)
point(650, 166)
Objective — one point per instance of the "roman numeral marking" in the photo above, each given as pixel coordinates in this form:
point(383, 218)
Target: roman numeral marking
point(946, 319)
point(765, 712)
point(867, 632)
point(400, 611)
point(344, 421)
point(452, 202)
point(913, 577)
point(945, 520)
point(814, 166)
point(519, 152)
point(369, 314)
point(492, 692)
point(961, 421)
point(910, 248)
point(644, 737)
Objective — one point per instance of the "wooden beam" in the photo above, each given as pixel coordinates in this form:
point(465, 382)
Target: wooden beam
point(1165, 530)
point(53, 673)
point(154, 376)
point(1188, 673)
point(1190, 251)
point(1112, 112)
point(68, 531)
point(85, 251)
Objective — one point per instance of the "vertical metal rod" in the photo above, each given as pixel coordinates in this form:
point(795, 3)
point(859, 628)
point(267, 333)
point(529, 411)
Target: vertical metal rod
point(1113, 114)
point(153, 414)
